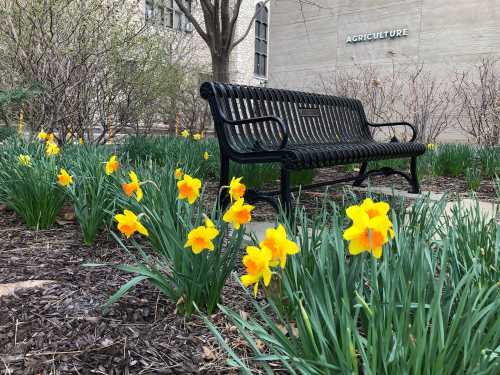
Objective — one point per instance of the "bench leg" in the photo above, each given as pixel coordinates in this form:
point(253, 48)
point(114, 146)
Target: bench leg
point(362, 171)
point(415, 186)
point(285, 194)
point(223, 197)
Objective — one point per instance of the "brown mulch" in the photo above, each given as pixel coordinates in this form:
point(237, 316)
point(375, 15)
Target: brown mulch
point(61, 328)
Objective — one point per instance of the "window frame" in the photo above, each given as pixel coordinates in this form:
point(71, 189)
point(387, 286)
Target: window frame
point(261, 47)
point(167, 14)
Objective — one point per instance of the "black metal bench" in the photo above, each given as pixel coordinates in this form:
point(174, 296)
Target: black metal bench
point(300, 131)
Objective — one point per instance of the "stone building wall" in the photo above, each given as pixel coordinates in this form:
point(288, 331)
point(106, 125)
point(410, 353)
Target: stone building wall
point(311, 43)
point(242, 59)
point(446, 35)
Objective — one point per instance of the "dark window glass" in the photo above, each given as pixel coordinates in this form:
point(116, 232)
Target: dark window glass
point(261, 24)
point(170, 14)
point(161, 15)
point(263, 32)
point(149, 10)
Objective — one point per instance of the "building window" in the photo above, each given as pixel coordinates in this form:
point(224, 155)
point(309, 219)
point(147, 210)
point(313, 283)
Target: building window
point(261, 32)
point(166, 13)
point(149, 10)
point(170, 14)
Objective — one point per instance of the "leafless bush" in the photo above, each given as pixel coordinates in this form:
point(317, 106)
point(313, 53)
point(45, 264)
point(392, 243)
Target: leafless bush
point(100, 69)
point(426, 103)
point(402, 93)
point(378, 92)
point(478, 98)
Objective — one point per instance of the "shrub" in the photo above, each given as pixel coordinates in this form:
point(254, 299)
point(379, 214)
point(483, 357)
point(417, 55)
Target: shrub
point(423, 308)
point(31, 190)
point(126, 76)
point(183, 276)
point(452, 160)
point(188, 153)
point(175, 151)
point(6, 132)
point(473, 178)
point(91, 194)
point(474, 239)
point(489, 160)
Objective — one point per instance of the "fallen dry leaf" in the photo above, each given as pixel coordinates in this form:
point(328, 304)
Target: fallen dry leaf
point(9, 289)
point(233, 328)
point(260, 345)
point(106, 342)
point(208, 354)
point(284, 330)
point(244, 315)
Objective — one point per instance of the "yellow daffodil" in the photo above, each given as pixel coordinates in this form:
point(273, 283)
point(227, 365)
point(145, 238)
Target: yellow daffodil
point(197, 136)
point(42, 136)
point(133, 186)
point(51, 137)
point(256, 262)
point(279, 245)
point(51, 149)
point(64, 178)
point(81, 141)
point(128, 224)
point(205, 155)
point(431, 146)
point(375, 209)
point(178, 173)
point(112, 165)
point(25, 160)
point(189, 188)
point(236, 189)
point(367, 233)
point(238, 214)
point(200, 238)
point(185, 133)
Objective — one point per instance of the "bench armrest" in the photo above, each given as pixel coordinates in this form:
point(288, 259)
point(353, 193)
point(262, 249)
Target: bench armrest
point(414, 130)
point(281, 123)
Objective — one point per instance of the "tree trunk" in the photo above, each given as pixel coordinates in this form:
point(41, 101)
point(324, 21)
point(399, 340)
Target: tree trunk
point(220, 66)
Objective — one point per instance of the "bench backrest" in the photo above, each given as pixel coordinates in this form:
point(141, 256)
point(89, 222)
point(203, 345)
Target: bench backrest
point(311, 118)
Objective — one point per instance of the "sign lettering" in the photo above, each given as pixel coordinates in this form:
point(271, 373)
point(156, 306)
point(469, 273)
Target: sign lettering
point(368, 37)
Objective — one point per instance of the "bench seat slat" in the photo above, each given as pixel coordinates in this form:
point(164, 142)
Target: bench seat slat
point(315, 155)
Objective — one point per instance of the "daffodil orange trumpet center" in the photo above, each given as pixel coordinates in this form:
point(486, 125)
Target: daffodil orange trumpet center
point(134, 186)
point(238, 214)
point(64, 178)
point(370, 229)
point(200, 238)
point(112, 165)
point(257, 267)
point(129, 223)
point(189, 188)
point(276, 240)
point(236, 189)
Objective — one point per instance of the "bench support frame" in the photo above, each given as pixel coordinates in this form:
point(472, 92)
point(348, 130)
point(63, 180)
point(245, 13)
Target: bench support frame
point(285, 192)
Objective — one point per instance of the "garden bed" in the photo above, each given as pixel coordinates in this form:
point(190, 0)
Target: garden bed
point(61, 327)
point(142, 297)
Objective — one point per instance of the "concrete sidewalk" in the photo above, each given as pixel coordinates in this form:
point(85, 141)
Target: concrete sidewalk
point(489, 209)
